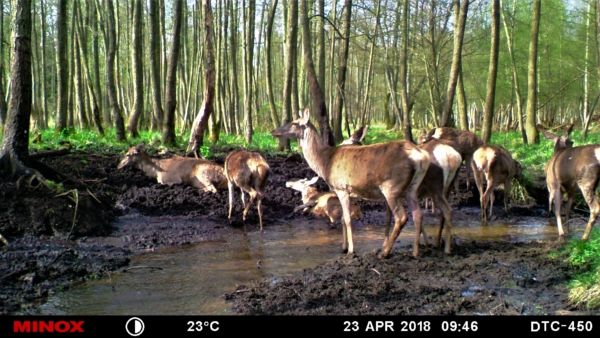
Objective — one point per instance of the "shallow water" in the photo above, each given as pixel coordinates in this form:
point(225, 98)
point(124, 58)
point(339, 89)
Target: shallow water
point(192, 279)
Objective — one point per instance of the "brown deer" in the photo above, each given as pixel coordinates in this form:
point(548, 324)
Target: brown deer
point(199, 173)
point(570, 168)
point(320, 204)
point(445, 162)
point(465, 142)
point(499, 168)
point(248, 171)
point(357, 137)
point(392, 171)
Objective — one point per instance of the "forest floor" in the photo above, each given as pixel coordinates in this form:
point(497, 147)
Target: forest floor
point(49, 252)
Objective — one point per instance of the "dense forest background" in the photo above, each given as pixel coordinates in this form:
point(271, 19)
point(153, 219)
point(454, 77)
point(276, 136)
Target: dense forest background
point(133, 65)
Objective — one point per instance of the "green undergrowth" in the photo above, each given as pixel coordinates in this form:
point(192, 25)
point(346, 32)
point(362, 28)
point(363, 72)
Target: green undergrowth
point(584, 259)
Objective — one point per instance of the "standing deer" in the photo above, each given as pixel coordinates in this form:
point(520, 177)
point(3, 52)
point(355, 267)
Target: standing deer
point(499, 168)
point(570, 168)
point(445, 162)
point(199, 173)
point(320, 204)
point(392, 171)
point(248, 171)
point(465, 142)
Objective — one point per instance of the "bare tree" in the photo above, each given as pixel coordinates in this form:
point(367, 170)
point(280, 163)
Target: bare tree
point(62, 65)
point(171, 85)
point(269, 65)
point(459, 33)
point(111, 50)
point(290, 60)
point(341, 74)
point(155, 47)
point(488, 112)
point(530, 125)
point(201, 120)
point(137, 51)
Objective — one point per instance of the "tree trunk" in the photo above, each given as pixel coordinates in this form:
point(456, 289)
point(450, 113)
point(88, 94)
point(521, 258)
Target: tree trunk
point(341, 75)
point(15, 144)
point(515, 74)
point(111, 51)
point(269, 66)
point(488, 112)
point(290, 60)
point(404, 98)
point(155, 62)
point(587, 114)
point(461, 102)
point(137, 50)
point(459, 31)
point(318, 106)
point(321, 42)
point(62, 65)
point(248, 68)
point(532, 132)
point(201, 120)
point(3, 108)
point(171, 85)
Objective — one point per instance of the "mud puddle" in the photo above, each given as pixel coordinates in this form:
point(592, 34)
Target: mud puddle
point(192, 279)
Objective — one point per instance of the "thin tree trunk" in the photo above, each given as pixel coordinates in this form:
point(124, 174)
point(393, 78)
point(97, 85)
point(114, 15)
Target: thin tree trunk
point(459, 32)
point(404, 98)
point(461, 102)
point(515, 74)
point(587, 114)
point(530, 128)
point(171, 85)
point(290, 60)
point(321, 42)
point(3, 107)
point(201, 120)
point(111, 50)
point(137, 50)
point(488, 112)
point(269, 67)
point(155, 62)
point(62, 65)
point(316, 92)
point(15, 144)
point(370, 66)
point(248, 68)
point(341, 75)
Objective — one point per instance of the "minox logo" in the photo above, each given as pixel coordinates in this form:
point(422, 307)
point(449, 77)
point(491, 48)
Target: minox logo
point(48, 326)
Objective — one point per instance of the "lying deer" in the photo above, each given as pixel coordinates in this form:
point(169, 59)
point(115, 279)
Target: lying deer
point(248, 171)
point(465, 142)
point(199, 173)
point(320, 204)
point(445, 162)
point(499, 168)
point(392, 171)
point(570, 168)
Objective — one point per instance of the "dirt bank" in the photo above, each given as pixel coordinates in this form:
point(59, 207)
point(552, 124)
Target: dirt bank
point(478, 278)
point(59, 238)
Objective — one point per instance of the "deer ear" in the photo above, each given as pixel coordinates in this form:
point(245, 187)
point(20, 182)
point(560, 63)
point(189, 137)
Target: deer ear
point(305, 117)
point(546, 133)
point(364, 133)
point(313, 180)
point(569, 129)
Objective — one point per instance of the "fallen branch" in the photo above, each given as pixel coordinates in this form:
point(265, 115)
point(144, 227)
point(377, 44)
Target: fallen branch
point(50, 153)
point(142, 267)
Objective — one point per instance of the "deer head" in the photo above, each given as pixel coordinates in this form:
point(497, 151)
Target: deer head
point(358, 136)
point(560, 142)
point(301, 184)
point(294, 129)
point(133, 156)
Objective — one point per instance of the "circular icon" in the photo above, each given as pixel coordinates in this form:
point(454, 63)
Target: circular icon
point(134, 326)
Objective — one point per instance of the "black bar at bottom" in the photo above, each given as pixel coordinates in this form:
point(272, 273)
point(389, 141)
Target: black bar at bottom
point(333, 326)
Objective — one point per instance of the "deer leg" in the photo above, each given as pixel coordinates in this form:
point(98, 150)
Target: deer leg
point(248, 205)
point(400, 219)
point(492, 198)
point(468, 169)
point(588, 189)
point(243, 197)
point(557, 199)
point(417, 215)
point(345, 203)
point(485, 200)
point(445, 223)
point(570, 196)
point(230, 188)
point(260, 211)
point(507, 187)
point(388, 221)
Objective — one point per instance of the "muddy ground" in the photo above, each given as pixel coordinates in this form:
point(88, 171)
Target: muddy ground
point(52, 248)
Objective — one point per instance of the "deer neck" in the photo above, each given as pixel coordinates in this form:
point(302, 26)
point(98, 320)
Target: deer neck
point(149, 166)
point(316, 152)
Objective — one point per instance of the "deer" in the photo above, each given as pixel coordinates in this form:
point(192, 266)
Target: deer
point(199, 173)
point(357, 137)
point(445, 162)
point(248, 171)
point(499, 168)
point(320, 204)
point(391, 171)
point(570, 168)
point(465, 142)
